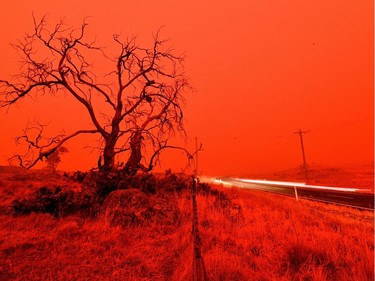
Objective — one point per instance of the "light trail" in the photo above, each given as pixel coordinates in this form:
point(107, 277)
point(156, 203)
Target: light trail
point(299, 184)
point(352, 197)
point(229, 182)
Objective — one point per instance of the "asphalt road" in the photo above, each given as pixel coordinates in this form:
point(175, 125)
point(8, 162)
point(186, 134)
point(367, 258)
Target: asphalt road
point(352, 197)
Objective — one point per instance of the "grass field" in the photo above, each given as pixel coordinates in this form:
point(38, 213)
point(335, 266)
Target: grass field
point(258, 236)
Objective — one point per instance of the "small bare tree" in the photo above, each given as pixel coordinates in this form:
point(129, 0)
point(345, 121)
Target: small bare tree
point(55, 158)
point(141, 96)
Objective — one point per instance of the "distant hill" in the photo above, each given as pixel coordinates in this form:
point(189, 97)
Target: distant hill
point(360, 176)
point(11, 169)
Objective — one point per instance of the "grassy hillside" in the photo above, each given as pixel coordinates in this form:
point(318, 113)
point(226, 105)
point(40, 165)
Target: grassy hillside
point(254, 236)
point(358, 176)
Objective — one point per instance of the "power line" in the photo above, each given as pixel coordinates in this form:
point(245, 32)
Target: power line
point(343, 124)
point(239, 138)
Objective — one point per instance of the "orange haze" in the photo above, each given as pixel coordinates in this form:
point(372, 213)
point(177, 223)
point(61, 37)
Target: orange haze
point(261, 70)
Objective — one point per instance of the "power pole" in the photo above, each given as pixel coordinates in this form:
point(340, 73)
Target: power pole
point(300, 132)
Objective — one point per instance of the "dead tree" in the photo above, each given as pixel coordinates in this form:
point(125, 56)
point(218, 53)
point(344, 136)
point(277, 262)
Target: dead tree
point(55, 158)
point(137, 104)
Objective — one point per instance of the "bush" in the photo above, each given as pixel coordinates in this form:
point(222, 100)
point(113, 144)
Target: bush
point(55, 201)
point(172, 182)
point(97, 186)
point(76, 176)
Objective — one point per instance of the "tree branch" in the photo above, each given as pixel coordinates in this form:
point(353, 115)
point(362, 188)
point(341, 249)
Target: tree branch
point(45, 154)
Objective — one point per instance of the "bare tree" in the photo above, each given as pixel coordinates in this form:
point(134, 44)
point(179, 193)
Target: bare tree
point(134, 106)
point(55, 158)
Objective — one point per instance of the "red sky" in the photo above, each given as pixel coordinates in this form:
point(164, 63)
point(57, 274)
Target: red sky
point(261, 70)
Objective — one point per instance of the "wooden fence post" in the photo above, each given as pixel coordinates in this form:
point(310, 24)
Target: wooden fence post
point(199, 271)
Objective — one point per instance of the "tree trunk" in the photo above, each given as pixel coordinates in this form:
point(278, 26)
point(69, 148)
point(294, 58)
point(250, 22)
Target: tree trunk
point(110, 144)
point(134, 162)
point(109, 155)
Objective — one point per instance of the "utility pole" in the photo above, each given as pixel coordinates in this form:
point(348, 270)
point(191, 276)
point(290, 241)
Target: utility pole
point(300, 132)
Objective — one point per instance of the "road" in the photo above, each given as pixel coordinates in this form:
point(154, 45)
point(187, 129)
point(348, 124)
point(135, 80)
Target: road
point(353, 197)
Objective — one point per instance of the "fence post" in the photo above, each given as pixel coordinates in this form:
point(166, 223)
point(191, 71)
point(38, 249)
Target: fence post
point(199, 271)
point(295, 192)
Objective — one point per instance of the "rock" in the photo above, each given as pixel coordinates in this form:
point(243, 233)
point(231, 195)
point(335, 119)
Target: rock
point(134, 207)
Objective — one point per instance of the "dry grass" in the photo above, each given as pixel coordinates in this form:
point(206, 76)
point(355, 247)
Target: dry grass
point(276, 239)
point(281, 239)
point(39, 247)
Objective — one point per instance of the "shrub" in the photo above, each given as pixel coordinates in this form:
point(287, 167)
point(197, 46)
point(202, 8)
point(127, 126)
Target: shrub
point(56, 201)
point(76, 176)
